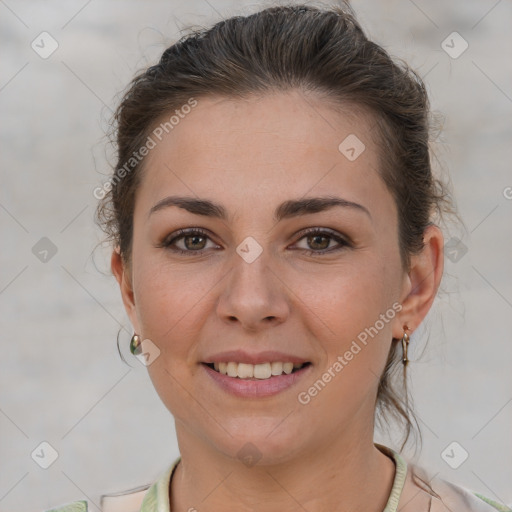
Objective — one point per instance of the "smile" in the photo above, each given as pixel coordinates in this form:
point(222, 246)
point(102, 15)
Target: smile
point(256, 371)
point(261, 380)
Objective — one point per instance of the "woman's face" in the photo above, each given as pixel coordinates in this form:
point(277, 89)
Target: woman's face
point(254, 283)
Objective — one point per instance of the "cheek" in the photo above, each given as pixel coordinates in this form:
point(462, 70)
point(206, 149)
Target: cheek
point(356, 305)
point(171, 302)
point(353, 336)
point(350, 297)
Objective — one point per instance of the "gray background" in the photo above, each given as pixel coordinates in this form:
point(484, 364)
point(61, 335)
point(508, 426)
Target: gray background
point(62, 380)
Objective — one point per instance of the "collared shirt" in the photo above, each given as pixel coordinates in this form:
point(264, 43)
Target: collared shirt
point(414, 489)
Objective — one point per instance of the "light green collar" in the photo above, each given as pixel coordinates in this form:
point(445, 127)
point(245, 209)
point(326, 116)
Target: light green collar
point(157, 497)
point(399, 480)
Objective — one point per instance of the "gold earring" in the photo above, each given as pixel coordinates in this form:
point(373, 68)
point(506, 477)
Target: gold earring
point(405, 345)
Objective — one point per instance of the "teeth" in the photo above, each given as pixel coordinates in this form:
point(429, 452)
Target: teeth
point(245, 371)
point(287, 368)
point(276, 368)
point(232, 369)
point(262, 371)
point(257, 371)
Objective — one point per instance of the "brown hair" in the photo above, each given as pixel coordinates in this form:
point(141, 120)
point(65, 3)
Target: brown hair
point(307, 48)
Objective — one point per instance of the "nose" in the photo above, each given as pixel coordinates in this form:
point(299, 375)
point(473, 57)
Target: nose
point(253, 295)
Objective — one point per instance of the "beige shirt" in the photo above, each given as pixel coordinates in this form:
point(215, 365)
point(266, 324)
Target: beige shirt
point(414, 490)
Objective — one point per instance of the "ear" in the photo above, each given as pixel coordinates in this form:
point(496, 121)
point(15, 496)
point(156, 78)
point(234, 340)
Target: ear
point(422, 282)
point(123, 277)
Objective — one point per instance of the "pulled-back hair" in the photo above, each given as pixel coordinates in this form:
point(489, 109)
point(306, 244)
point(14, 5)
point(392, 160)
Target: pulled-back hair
point(305, 48)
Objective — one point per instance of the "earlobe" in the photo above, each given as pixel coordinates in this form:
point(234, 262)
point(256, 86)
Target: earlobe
point(423, 279)
point(122, 276)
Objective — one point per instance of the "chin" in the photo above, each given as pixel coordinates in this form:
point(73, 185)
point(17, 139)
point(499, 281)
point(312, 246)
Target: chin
point(262, 441)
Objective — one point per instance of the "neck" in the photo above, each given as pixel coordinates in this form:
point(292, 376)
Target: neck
point(342, 475)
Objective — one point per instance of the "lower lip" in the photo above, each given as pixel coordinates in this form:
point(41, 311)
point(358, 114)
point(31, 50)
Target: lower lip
point(256, 388)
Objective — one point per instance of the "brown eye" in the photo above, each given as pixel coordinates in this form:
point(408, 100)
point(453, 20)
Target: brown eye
point(194, 241)
point(318, 242)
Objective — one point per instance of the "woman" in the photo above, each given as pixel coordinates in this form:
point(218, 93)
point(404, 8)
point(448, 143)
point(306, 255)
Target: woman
point(273, 218)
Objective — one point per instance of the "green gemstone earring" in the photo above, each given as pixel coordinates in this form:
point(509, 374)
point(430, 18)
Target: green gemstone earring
point(135, 345)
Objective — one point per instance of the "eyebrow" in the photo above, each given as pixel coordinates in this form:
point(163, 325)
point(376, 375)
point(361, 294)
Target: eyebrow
point(286, 210)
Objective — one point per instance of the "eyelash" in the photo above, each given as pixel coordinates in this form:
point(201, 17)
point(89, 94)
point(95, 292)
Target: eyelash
point(182, 233)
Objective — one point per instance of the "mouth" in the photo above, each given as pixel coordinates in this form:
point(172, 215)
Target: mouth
point(262, 371)
point(255, 381)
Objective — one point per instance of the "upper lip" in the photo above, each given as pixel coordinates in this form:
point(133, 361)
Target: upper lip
point(268, 356)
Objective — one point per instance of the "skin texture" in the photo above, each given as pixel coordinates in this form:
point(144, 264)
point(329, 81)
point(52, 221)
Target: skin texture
point(250, 155)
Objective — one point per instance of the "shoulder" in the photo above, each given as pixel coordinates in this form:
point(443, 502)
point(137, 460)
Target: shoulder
point(75, 506)
point(145, 498)
point(472, 500)
point(126, 501)
point(448, 496)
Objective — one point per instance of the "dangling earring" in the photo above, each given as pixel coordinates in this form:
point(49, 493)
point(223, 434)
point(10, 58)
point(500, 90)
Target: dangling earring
point(135, 345)
point(405, 345)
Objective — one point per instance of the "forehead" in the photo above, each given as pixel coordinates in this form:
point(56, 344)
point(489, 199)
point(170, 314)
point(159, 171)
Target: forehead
point(248, 151)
